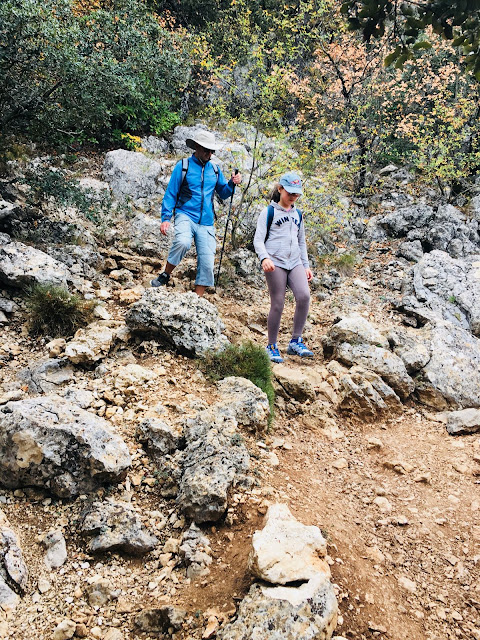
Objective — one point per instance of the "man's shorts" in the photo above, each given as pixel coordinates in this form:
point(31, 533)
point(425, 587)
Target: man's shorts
point(185, 231)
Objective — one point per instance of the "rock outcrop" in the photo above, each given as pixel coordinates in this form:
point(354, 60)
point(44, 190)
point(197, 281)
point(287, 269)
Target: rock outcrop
point(51, 443)
point(182, 320)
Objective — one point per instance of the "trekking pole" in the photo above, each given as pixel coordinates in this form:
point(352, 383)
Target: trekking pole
point(225, 234)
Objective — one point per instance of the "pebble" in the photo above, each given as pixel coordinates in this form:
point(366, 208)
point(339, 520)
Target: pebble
point(407, 584)
point(382, 503)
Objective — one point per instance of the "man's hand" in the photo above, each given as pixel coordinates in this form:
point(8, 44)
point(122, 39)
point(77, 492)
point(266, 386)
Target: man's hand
point(237, 178)
point(267, 265)
point(164, 227)
point(309, 274)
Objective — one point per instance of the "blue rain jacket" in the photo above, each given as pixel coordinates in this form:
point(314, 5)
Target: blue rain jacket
point(194, 197)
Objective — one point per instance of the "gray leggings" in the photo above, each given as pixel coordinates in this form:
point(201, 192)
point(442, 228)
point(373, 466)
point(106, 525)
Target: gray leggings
point(277, 282)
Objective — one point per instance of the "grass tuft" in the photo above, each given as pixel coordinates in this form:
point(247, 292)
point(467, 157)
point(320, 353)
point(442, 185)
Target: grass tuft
point(247, 360)
point(56, 312)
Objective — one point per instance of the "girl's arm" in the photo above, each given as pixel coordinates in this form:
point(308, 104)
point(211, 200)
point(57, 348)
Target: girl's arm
point(302, 244)
point(259, 238)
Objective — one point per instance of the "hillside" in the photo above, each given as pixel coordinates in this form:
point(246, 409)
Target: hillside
point(358, 445)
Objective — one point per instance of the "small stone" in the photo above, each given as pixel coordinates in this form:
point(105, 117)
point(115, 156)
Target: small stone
point(114, 634)
point(43, 585)
point(407, 584)
point(81, 630)
point(65, 630)
point(383, 504)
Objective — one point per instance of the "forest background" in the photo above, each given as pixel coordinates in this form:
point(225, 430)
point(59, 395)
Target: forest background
point(347, 87)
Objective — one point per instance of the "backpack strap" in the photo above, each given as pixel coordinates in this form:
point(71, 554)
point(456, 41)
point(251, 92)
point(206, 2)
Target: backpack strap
point(216, 169)
point(270, 212)
point(184, 175)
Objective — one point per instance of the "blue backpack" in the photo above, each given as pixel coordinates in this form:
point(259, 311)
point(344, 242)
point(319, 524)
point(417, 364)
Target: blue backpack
point(270, 213)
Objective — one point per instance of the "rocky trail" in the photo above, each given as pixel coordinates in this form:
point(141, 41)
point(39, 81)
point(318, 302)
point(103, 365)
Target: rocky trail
point(132, 486)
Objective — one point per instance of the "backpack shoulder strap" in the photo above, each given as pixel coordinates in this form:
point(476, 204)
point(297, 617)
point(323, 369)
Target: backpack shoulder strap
point(300, 215)
point(184, 170)
point(270, 212)
point(184, 175)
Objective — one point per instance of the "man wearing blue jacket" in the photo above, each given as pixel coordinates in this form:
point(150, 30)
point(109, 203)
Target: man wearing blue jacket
point(189, 197)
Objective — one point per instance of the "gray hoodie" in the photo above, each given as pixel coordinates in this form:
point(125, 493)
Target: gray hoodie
point(286, 246)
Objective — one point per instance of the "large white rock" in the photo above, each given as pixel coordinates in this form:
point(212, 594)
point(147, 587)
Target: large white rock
point(184, 320)
point(131, 174)
point(51, 443)
point(94, 342)
point(22, 265)
point(286, 550)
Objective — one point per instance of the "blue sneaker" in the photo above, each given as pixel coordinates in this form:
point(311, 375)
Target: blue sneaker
point(297, 347)
point(274, 353)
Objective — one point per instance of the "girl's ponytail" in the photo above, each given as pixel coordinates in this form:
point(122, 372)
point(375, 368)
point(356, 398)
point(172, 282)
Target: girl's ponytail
point(275, 193)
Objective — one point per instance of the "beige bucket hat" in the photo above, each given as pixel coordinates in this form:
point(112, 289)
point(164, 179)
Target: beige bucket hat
point(205, 139)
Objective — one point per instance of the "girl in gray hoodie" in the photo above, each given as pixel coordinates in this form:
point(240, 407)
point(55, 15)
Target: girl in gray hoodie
point(280, 245)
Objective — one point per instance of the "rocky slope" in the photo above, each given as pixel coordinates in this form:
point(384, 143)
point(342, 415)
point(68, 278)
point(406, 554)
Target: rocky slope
point(132, 487)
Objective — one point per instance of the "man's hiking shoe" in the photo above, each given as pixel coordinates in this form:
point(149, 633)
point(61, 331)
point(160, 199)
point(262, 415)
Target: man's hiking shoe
point(274, 353)
point(297, 347)
point(160, 280)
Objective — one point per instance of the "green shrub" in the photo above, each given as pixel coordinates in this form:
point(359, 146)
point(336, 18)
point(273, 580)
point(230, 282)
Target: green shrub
point(247, 360)
point(48, 182)
point(345, 262)
point(72, 75)
point(56, 312)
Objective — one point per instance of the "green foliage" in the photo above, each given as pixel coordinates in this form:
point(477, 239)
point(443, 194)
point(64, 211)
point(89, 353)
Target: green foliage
point(246, 361)
point(55, 312)
point(76, 77)
point(345, 262)
point(451, 19)
point(52, 183)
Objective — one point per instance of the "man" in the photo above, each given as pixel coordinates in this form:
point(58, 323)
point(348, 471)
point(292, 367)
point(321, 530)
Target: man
point(189, 196)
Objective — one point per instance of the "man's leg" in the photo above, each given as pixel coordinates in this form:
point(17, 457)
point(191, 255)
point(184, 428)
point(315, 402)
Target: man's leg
point(206, 244)
point(182, 242)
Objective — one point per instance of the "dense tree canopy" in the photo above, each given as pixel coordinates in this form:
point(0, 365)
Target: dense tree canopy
point(455, 20)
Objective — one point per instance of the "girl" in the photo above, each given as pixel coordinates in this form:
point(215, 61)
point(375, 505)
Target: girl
point(280, 245)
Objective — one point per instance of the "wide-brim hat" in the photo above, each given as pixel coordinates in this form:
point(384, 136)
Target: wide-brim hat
point(205, 139)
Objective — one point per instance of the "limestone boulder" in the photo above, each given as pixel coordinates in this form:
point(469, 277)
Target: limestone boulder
point(51, 443)
point(48, 376)
point(160, 438)
point(116, 525)
point(182, 320)
point(249, 403)
point(354, 329)
point(286, 550)
point(440, 287)
point(22, 265)
point(381, 361)
point(444, 228)
point(306, 612)
point(145, 237)
point(461, 422)
point(214, 461)
point(93, 343)
point(297, 383)
point(451, 378)
point(364, 394)
point(131, 174)
point(13, 570)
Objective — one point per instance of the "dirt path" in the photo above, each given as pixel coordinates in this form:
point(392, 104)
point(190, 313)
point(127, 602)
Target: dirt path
point(399, 502)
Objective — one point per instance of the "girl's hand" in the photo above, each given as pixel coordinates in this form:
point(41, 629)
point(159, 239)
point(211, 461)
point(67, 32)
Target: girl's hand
point(267, 265)
point(309, 274)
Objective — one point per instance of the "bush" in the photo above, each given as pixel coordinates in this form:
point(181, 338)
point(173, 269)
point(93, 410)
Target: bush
point(47, 183)
point(55, 312)
point(246, 361)
point(74, 77)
